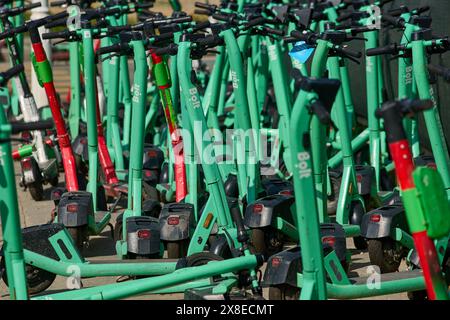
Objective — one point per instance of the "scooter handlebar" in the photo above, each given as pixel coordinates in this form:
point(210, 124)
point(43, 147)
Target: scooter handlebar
point(109, 49)
point(57, 35)
point(8, 74)
point(395, 21)
point(389, 49)
point(348, 52)
point(17, 127)
point(172, 49)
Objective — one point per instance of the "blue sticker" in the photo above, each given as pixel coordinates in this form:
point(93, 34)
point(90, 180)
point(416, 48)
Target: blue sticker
point(301, 52)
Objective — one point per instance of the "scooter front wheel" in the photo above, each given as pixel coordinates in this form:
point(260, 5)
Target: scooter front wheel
point(38, 280)
point(36, 191)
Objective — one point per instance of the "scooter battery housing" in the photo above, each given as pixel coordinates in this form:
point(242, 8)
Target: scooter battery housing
point(282, 267)
point(74, 208)
point(364, 178)
point(143, 235)
point(175, 221)
point(263, 211)
point(381, 222)
point(153, 157)
point(277, 186)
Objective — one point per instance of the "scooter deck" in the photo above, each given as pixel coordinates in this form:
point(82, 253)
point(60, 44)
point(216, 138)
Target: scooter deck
point(385, 277)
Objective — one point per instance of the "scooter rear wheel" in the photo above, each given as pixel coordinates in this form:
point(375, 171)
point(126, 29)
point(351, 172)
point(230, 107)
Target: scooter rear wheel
point(38, 280)
point(79, 235)
point(177, 249)
point(284, 292)
point(266, 241)
point(385, 254)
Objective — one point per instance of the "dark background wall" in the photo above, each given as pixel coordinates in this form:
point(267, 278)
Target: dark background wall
point(440, 13)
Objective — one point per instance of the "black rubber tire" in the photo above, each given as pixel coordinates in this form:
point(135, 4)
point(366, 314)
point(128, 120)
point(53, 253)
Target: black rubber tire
point(149, 192)
point(420, 295)
point(262, 244)
point(257, 238)
point(36, 191)
point(356, 208)
point(284, 292)
point(201, 258)
point(79, 235)
point(177, 249)
point(54, 181)
point(381, 254)
point(38, 280)
point(101, 199)
point(118, 228)
point(360, 243)
point(334, 197)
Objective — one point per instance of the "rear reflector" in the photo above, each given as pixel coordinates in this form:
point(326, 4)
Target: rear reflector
point(258, 208)
point(375, 218)
point(173, 220)
point(329, 241)
point(144, 234)
point(72, 207)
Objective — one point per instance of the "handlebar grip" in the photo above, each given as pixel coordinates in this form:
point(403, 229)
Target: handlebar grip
point(58, 3)
point(58, 16)
point(172, 20)
point(201, 26)
point(220, 17)
point(390, 49)
point(17, 127)
point(273, 31)
point(202, 5)
point(202, 12)
point(255, 22)
point(55, 35)
point(396, 22)
point(163, 36)
point(172, 49)
point(32, 6)
point(56, 23)
point(109, 49)
point(118, 29)
point(8, 74)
